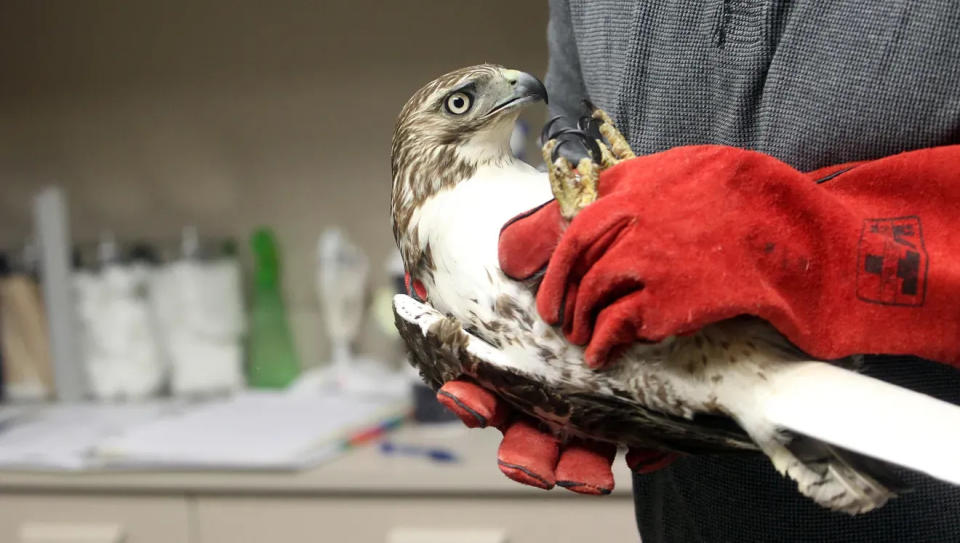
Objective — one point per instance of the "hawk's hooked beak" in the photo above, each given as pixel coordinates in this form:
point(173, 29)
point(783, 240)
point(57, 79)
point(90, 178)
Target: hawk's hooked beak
point(524, 87)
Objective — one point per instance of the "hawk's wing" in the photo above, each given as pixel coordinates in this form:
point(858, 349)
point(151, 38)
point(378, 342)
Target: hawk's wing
point(814, 399)
point(868, 416)
point(441, 350)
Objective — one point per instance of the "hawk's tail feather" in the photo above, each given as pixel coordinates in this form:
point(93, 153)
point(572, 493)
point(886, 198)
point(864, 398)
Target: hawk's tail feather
point(837, 478)
point(834, 478)
point(864, 415)
point(812, 450)
point(832, 430)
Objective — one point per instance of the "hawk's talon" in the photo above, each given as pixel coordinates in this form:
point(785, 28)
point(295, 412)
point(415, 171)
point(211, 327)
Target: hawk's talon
point(591, 126)
point(575, 187)
point(593, 147)
point(545, 134)
point(564, 182)
point(608, 160)
point(556, 148)
point(618, 144)
point(589, 144)
point(589, 175)
point(547, 151)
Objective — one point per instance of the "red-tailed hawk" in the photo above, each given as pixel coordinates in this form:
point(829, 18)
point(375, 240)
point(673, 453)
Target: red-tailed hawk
point(734, 386)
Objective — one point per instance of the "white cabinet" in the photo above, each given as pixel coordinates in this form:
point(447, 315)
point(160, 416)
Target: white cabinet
point(461, 519)
point(78, 518)
point(363, 497)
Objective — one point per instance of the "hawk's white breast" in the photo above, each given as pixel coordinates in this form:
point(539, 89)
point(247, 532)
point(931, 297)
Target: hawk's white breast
point(461, 226)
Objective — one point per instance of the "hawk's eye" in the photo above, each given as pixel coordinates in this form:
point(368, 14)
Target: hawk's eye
point(459, 103)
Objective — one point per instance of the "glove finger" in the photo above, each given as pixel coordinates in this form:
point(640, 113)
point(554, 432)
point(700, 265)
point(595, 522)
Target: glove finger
point(584, 467)
point(528, 455)
point(613, 276)
point(618, 325)
point(585, 241)
point(649, 460)
point(569, 304)
point(476, 406)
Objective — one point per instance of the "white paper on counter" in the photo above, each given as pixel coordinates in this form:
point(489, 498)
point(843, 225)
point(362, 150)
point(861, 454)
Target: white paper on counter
point(254, 430)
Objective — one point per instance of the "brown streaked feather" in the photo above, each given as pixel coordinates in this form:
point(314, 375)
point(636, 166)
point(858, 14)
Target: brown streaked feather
point(442, 355)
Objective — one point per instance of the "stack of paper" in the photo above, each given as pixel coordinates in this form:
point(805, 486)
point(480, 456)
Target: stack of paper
point(61, 437)
point(252, 431)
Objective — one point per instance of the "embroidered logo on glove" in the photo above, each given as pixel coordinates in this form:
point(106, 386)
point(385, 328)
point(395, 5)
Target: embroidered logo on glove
point(892, 262)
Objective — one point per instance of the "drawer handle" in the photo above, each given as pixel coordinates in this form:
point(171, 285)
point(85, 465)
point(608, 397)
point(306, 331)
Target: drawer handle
point(439, 535)
point(71, 532)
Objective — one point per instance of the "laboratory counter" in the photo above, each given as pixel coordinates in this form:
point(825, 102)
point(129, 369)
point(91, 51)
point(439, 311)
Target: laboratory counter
point(365, 495)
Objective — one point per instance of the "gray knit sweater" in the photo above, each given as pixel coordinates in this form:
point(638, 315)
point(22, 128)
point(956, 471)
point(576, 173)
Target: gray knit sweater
point(814, 83)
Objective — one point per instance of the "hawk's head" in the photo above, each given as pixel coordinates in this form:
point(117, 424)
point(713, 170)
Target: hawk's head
point(452, 125)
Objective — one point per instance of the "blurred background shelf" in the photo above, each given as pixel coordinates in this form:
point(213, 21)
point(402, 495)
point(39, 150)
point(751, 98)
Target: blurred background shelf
point(225, 116)
point(230, 115)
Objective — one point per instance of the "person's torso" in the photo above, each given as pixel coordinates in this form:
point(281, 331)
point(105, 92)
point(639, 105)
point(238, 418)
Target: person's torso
point(813, 83)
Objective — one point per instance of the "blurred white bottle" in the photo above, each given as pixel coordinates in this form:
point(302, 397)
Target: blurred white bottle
point(118, 338)
point(199, 304)
point(342, 270)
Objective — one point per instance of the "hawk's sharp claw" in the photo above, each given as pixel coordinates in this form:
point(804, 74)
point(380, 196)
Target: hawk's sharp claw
point(588, 143)
point(590, 126)
point(575, 172)
point(594, 149)
point(545, 134)
point(556, 150)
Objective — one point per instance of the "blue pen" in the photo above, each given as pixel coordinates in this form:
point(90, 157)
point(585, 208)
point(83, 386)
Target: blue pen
point(437, 455)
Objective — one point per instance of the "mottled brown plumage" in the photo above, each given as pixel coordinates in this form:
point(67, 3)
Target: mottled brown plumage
point(442, 354)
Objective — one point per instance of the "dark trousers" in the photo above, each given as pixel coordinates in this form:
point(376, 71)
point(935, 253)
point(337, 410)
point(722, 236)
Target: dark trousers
point(742, 499)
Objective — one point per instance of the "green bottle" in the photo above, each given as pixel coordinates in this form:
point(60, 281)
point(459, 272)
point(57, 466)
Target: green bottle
point(273, 359)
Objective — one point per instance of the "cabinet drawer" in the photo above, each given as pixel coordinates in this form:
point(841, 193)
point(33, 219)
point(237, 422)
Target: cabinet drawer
point(82, 518)
point(381, 520)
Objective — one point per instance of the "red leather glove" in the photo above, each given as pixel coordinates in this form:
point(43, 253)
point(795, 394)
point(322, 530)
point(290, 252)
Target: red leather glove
point(865, 261)
point(532, 457)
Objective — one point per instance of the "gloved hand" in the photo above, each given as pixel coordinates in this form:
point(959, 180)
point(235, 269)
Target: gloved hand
point(527, 454)
point(866, 261)
point(532, 457)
